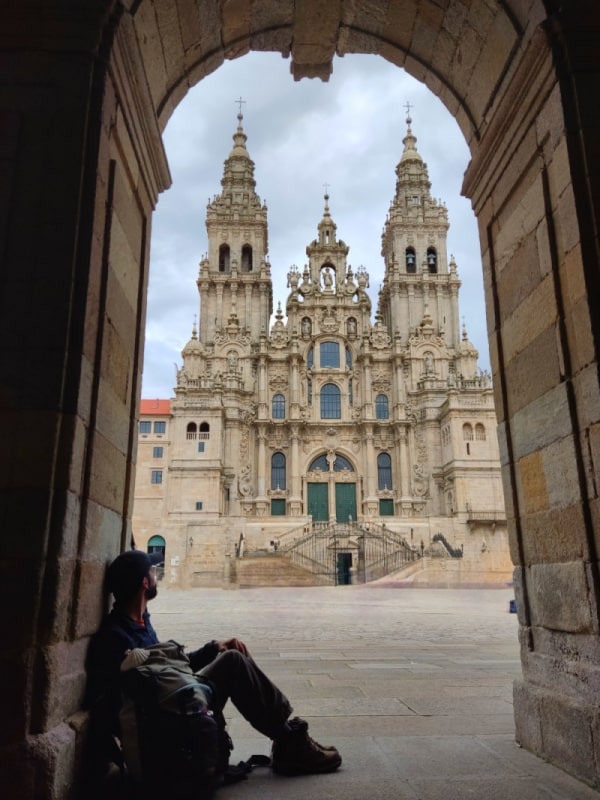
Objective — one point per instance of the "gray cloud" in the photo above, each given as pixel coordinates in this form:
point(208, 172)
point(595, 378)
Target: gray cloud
point(346, 133)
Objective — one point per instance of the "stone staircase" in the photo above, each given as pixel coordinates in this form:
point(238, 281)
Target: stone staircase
point(271, 570)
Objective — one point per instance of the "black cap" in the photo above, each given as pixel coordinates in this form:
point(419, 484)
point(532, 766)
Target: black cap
point(128, 570)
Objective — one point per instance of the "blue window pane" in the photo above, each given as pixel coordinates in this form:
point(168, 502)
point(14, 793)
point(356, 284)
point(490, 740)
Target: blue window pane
point(310, 358)
point(278, 406)
point(384, 471)
point(319, 463)
point(160, 427)
point(145, 426)
point(382, 410)
point(331, 406)
point(278, 476)
point(341, 463)
point(156, 476)
point(330, 355)
point(157, 452)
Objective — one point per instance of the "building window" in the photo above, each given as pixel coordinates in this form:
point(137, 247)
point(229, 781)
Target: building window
point(331, 405)
point(278, 406)
point(278, 507)
point(190, 431)
point(386, 507)
point(480, 432)
point(224, 258)
point(160, 426)
point(145, 426)
point(350, 393)
point(278, 476)
point(330, 355)
point(341, 463)
point(382, 410)
point(320, 463)
point(309, 392)
point(198, 505)
point(348, 358)
point(310, 356)
point(204, 432)
point(157, 452)
point(201, 446)
point(156, 476)
point(467, 432)
point(246, 258)
point(411, 260)
point(384, 472)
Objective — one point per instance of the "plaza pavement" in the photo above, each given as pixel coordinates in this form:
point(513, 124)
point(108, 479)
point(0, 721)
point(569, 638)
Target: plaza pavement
point(414, 687)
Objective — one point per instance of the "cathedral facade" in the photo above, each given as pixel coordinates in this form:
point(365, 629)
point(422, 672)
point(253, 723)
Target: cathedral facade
point(327, 416)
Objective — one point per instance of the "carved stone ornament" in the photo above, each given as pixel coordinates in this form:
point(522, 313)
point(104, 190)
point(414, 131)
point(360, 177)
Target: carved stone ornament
point(329, 323)
point(278, 380)
point(380, 338)
point(381, 383)
point(245, 487)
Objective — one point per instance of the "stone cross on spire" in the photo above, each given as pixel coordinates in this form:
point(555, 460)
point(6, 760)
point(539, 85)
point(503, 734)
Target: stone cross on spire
point(240, 102)
point(408, 107)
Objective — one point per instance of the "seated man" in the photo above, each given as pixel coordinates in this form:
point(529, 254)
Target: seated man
point(226, 663)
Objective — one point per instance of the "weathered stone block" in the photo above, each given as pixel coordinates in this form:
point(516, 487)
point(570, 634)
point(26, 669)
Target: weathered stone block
point(528, 729)
point(541, 422)
point(559, 597)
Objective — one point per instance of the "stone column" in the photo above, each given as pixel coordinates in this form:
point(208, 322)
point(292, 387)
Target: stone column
point(80, 177)
point(528, 179)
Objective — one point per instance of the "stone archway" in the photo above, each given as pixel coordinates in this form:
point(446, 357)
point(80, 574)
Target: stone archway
point(84, 105)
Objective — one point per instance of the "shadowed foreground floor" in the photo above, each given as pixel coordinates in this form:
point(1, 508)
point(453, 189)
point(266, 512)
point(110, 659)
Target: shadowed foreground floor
point(414, 687)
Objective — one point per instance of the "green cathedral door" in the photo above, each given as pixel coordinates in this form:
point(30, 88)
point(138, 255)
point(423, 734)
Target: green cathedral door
point(318, 506)
point(345, 502)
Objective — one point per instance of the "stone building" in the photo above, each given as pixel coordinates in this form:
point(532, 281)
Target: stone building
point(277, 431)
point(87, 91)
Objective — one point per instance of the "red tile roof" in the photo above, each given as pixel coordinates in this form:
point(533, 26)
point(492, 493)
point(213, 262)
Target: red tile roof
point(155, 407)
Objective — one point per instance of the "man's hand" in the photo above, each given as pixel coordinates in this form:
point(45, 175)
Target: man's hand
point(231, 644)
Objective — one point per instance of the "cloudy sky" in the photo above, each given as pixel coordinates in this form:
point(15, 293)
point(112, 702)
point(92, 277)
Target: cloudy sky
point(346, 133)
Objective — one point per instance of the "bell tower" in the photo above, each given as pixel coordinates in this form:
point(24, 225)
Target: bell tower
point(235, 276)
point(419, 281)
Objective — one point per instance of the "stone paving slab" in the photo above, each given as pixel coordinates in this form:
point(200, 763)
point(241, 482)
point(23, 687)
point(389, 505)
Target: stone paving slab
point(413, 687)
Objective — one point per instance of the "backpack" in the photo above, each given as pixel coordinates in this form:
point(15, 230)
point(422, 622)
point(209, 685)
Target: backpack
point(173, 744)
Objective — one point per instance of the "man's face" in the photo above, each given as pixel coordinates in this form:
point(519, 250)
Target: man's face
point(152, 589)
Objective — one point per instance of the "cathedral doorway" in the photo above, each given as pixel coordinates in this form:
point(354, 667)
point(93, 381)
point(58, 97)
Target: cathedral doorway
point(318, 503)
point(345, 502)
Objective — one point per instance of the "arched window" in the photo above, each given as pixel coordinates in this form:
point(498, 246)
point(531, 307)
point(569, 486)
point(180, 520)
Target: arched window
point(411, 260)
point(480, 432)
point(204, 431)
point(278, 476)
point(431, 259)
point(330, 355)
point(278, 406)
point(331, 404)
point(190, 431)
point(320, 463)
point(246, 258)
point(467, 432)
point(384, 472)
point(224, 258)
point(157, 544)
point(382, 409)
point(341, 463)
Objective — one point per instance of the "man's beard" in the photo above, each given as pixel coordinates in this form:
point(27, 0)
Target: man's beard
point(151, 592)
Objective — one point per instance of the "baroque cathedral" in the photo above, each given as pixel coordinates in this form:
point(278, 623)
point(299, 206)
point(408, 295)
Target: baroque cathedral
point(325, 426)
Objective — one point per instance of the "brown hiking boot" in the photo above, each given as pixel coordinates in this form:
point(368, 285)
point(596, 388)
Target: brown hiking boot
point(298, 754)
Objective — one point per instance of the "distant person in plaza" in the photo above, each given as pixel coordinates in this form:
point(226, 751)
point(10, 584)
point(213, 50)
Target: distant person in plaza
point(225, 662)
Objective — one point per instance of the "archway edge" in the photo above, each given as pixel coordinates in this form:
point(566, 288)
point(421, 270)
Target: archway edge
point(464, 57)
